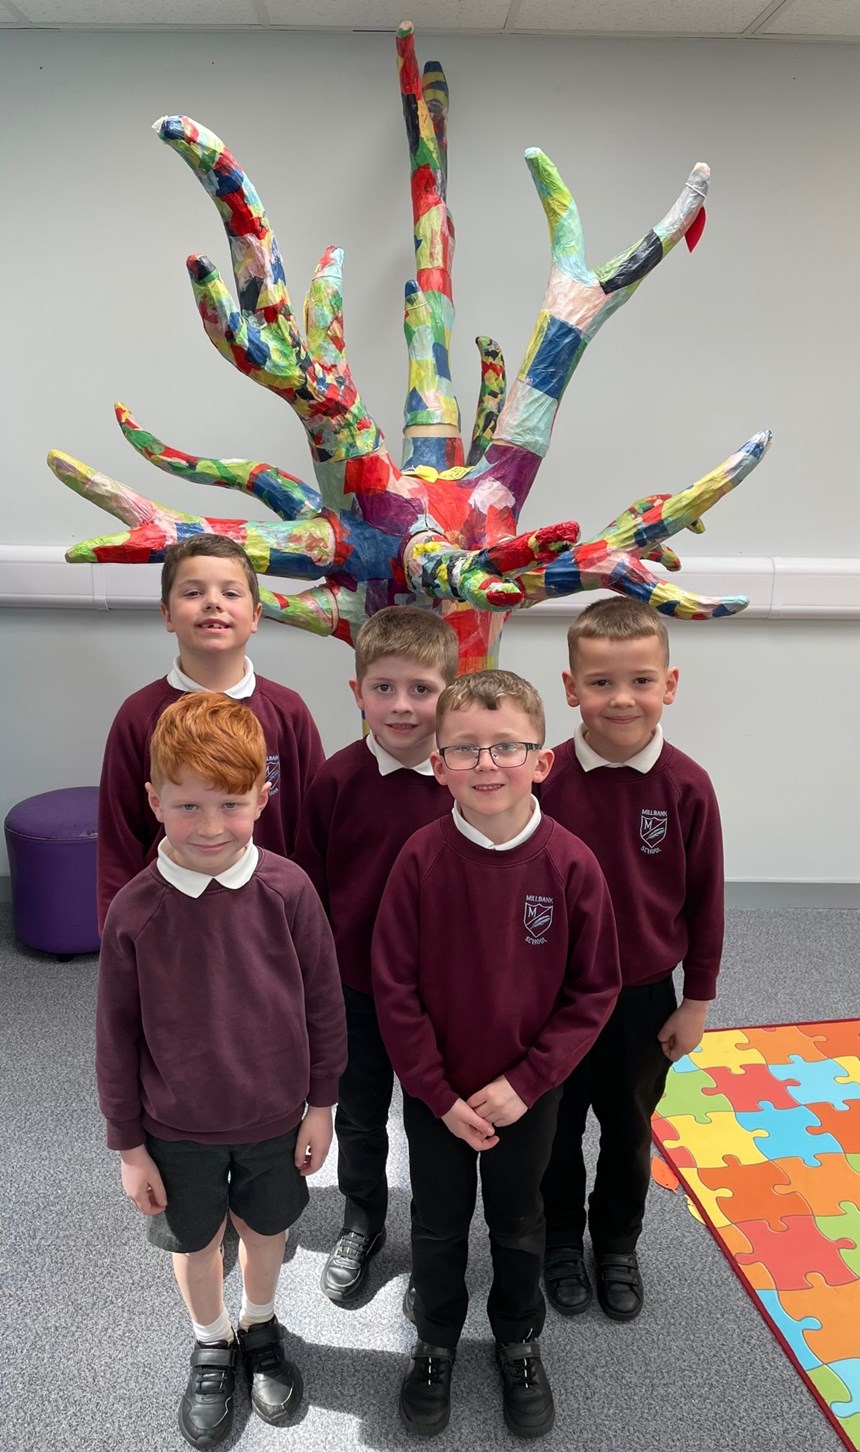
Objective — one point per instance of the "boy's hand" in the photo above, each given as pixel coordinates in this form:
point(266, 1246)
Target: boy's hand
point(498, 1103)
point(142, 1181)
point(314, 1140)
point(466, 1124)
point(683, 1030)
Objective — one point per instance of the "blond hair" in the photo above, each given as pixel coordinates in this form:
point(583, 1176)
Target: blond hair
point(618, 619)
point(406, 630)
point(216, 737)
point(489, 689)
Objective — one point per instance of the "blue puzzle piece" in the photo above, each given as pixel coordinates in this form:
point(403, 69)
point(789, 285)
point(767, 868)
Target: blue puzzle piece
point(787, 1136)
point(792, 1330)
point(849, 1371)
point(686, 1065)
point(815, 1083)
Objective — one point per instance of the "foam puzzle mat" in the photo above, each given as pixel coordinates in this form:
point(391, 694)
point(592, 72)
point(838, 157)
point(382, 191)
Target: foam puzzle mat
point(762, 1128)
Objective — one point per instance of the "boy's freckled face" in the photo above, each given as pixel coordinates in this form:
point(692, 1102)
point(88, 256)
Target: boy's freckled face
point(398, 697)
point(207, 828)
point(211, 608)
point(494, 799)
point(620, 687)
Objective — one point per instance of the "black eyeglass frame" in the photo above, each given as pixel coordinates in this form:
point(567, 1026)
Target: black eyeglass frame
point(529, 746)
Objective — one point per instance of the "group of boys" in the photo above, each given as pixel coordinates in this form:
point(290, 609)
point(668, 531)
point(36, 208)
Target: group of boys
point(445, 900)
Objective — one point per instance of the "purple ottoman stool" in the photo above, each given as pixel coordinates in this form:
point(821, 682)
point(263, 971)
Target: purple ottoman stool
point(51, 840)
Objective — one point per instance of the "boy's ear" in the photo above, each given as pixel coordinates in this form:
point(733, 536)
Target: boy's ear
point(438, 766)
point(570, 688)
point(255, 622)
point(671, 686)
point(355, 687)
point(543, 764)
point(153, 797)
point(165, 615)
point(262, 798)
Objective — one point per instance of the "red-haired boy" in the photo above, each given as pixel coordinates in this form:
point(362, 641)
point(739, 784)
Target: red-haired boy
point(220, 1039)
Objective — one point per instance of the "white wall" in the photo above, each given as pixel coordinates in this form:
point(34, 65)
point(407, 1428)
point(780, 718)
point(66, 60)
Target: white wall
point(756, 329)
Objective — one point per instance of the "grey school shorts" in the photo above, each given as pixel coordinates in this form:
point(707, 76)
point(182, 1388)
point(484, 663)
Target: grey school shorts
point(259, 1182)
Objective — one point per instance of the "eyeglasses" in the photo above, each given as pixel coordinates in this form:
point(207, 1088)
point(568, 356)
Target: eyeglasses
point(503, 753)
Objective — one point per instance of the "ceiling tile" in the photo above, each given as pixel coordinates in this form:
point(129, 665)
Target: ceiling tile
point(117, 14)
point(426, 15)
point(823, 18)
point(638, 17)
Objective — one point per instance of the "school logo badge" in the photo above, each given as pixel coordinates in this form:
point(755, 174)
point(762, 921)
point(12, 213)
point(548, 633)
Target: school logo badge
point(537, 918)
point(273, 773)
point(653, 826)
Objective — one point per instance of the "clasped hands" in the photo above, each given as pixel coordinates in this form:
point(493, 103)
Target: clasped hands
point(476, 1120)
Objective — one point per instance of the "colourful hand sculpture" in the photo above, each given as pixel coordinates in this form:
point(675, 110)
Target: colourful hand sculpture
point(441, 531)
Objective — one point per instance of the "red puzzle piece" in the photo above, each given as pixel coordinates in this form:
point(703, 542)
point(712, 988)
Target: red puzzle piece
point(754, 1086)
point(791, 1254)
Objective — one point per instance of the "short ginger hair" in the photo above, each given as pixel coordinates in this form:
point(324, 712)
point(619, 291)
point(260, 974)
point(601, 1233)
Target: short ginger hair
point(617, 619)
point(489, 689)
point(212, 546)
point(215, 736)
point(407, 630)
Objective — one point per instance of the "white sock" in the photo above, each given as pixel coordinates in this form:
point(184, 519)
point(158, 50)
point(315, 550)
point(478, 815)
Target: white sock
point(218, 1330)
point(253, 1315)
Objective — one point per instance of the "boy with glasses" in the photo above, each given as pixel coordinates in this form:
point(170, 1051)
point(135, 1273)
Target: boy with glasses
point(494, 967)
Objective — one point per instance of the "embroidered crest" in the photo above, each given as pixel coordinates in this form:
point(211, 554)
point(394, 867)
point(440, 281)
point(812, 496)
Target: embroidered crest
point(652, 829)
point(537, 916)
point(273, 773)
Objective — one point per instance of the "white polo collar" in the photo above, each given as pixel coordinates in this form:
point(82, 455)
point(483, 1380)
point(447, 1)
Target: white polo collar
point(642, 761)
point(194, 884)
point(481, 840)
point(388, 763)
point(240, 692)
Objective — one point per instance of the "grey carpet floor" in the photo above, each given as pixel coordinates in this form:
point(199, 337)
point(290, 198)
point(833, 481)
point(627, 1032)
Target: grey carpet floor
point(96, 1335)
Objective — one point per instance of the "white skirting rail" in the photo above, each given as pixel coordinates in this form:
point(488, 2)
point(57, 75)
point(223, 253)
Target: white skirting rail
point(778, 587)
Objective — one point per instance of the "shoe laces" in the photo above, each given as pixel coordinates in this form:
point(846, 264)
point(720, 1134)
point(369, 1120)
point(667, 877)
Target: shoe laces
point(433, 1369)
point(211, 1381)
point(522, 1371)
point(266, 1359)
point(350, 1240)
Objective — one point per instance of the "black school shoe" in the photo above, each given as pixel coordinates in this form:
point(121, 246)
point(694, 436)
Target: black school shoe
point(566, 1279)
point(206, 1410)
point(619, 1286)
point(425, 1396)
point(345, 1271)
point(528, 1404)
point(275, 1382)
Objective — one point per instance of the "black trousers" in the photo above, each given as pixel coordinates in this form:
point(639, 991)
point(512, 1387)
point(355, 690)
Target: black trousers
point(444, 1172)
point(361, 1119)
point(621, 1079)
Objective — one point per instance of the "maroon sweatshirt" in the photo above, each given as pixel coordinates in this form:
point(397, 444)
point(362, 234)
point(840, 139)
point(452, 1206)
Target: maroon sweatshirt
point(488, 963)
point(219, 1017)
point(352, 826)
point(657, 836)
point(128, 831)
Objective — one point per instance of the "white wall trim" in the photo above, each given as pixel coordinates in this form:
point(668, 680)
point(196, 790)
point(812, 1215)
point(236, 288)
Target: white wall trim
point(778, 587)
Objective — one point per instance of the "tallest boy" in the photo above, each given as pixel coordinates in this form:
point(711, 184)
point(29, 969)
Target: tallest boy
point(210, 600)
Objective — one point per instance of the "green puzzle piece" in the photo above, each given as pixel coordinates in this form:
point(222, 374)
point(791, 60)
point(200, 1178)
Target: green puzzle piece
point(684, 1095)
point(833, 1389)
point(847, 1227)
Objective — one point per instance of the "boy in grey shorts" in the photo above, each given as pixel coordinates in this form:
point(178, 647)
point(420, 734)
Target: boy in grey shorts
point(220, 1039)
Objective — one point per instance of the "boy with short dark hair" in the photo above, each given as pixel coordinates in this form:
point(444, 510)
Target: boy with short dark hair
point(210, 601)
point(363, 804)
point(219, 1042)
point(494, 968)
point(650, 816)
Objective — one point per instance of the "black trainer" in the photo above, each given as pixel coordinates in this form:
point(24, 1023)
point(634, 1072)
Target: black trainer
point(409, 1301)
point(528, 1404)
point(619, 1286)
point(275, 1382)
point(425, 1396)
point(345, 1271)
point(206, 1410)
point(566, 1279)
